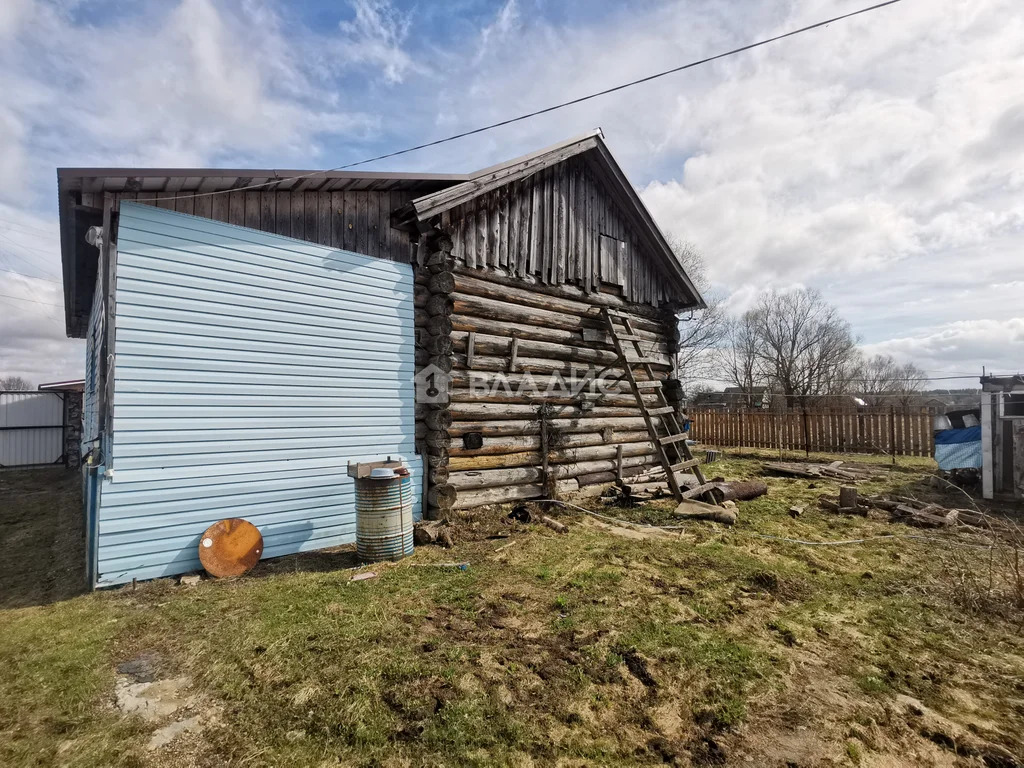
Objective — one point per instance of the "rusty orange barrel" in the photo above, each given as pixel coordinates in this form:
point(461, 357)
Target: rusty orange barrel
point(384, 515)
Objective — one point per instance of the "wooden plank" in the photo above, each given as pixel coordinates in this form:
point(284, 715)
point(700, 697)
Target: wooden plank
point(561, 225)
point(284, 213)
point(236, 208)
point(219, 207)
point(362, 222)
point(503, 228)
point(252, 209)
point(323, 218)
point(203, 206)
point(482, 229)
point(268, 210)
point(493, 228)
point(536, 221)
point(309, 214)
point(337, 219)
point(373, 224)
point(298, 213)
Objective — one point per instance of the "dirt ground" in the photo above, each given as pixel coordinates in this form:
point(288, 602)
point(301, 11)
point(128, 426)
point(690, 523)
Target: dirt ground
point(42, 536)
point(613, 644)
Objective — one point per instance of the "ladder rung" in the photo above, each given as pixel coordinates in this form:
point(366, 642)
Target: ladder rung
point(656, 384)
point(673, 438)
point(700, 490)
point(616, 313)
point(660, 411)
point(685, 465)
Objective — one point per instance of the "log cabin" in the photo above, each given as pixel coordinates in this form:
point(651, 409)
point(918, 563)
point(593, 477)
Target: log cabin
point(249, 332)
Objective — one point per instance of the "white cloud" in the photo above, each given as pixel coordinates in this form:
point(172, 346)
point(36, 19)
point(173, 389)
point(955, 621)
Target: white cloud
point(193, 83)
point(377, 36)
point(962, 346)
point(877, 159)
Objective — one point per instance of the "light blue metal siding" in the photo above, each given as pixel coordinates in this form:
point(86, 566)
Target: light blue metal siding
point(249, 369)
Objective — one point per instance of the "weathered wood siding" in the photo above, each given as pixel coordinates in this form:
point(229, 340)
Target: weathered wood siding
point(356, 221)
point(560, 226)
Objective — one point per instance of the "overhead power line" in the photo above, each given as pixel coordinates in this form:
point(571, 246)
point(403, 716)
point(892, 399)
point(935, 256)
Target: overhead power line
point(553, 107)
point(33, 301)
point(31, 277)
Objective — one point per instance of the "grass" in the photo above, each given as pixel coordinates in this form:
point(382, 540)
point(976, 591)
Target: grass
point(597, 647)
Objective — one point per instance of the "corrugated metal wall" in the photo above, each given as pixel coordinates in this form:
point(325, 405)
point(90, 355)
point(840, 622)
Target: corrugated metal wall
point(250, 368)
point(31, 428)
point(90, 395)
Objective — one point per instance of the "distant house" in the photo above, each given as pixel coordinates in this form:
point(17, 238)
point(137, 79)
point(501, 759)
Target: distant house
point(249, 332)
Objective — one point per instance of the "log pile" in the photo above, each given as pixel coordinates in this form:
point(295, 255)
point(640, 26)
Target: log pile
point(634, 493)
point(906, 509)
point(837, 470)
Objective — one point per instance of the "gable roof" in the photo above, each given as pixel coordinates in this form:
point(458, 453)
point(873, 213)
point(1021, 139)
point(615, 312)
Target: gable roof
point(437, 192)
point(592, 146)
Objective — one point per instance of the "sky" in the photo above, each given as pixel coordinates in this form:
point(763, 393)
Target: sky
point(879, 159)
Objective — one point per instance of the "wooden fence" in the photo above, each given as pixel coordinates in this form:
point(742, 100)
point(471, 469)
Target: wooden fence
point(895, 431)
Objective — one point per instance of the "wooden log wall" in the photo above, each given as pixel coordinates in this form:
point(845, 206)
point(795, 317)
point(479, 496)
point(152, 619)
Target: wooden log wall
point(358, 221)
point(562, 227)
point(506, 333)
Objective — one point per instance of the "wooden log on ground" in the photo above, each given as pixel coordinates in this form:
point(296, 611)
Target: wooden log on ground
point(740, 490)
point(695, 510)
point(554, 524)
point(432, 532)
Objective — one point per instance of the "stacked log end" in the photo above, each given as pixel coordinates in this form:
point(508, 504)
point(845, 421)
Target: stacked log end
point(434, 350)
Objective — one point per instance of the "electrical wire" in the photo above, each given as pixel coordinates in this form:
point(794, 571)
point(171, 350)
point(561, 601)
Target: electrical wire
point(552, 108)
point(31, 277)
point(33, 301)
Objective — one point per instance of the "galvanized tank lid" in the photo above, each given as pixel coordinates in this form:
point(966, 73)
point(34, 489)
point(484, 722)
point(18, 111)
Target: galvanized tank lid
point(382, 473)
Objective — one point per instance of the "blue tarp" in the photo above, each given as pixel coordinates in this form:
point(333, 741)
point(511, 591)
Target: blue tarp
point(950, 436)
point(958, 448)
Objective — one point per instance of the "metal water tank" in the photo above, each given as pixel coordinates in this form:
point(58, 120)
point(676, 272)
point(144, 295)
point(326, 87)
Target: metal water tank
point(384, 514)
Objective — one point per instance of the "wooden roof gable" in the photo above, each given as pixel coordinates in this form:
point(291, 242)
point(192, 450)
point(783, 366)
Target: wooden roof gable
point(592, 148)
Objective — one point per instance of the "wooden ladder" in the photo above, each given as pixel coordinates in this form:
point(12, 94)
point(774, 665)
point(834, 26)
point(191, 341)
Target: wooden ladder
point(673, 452)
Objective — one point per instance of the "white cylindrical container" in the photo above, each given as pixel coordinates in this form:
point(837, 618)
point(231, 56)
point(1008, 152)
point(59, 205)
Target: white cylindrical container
point(384, 516)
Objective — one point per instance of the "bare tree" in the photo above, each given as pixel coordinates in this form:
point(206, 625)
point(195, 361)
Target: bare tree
point(802, 346)
point(700, 331)
point(13, 383)
point(737, 357)
point(880, 380)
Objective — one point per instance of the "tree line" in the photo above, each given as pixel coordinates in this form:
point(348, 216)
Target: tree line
point(791, 343)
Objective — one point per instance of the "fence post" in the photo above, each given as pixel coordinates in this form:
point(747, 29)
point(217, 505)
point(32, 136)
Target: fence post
point(892, 433)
